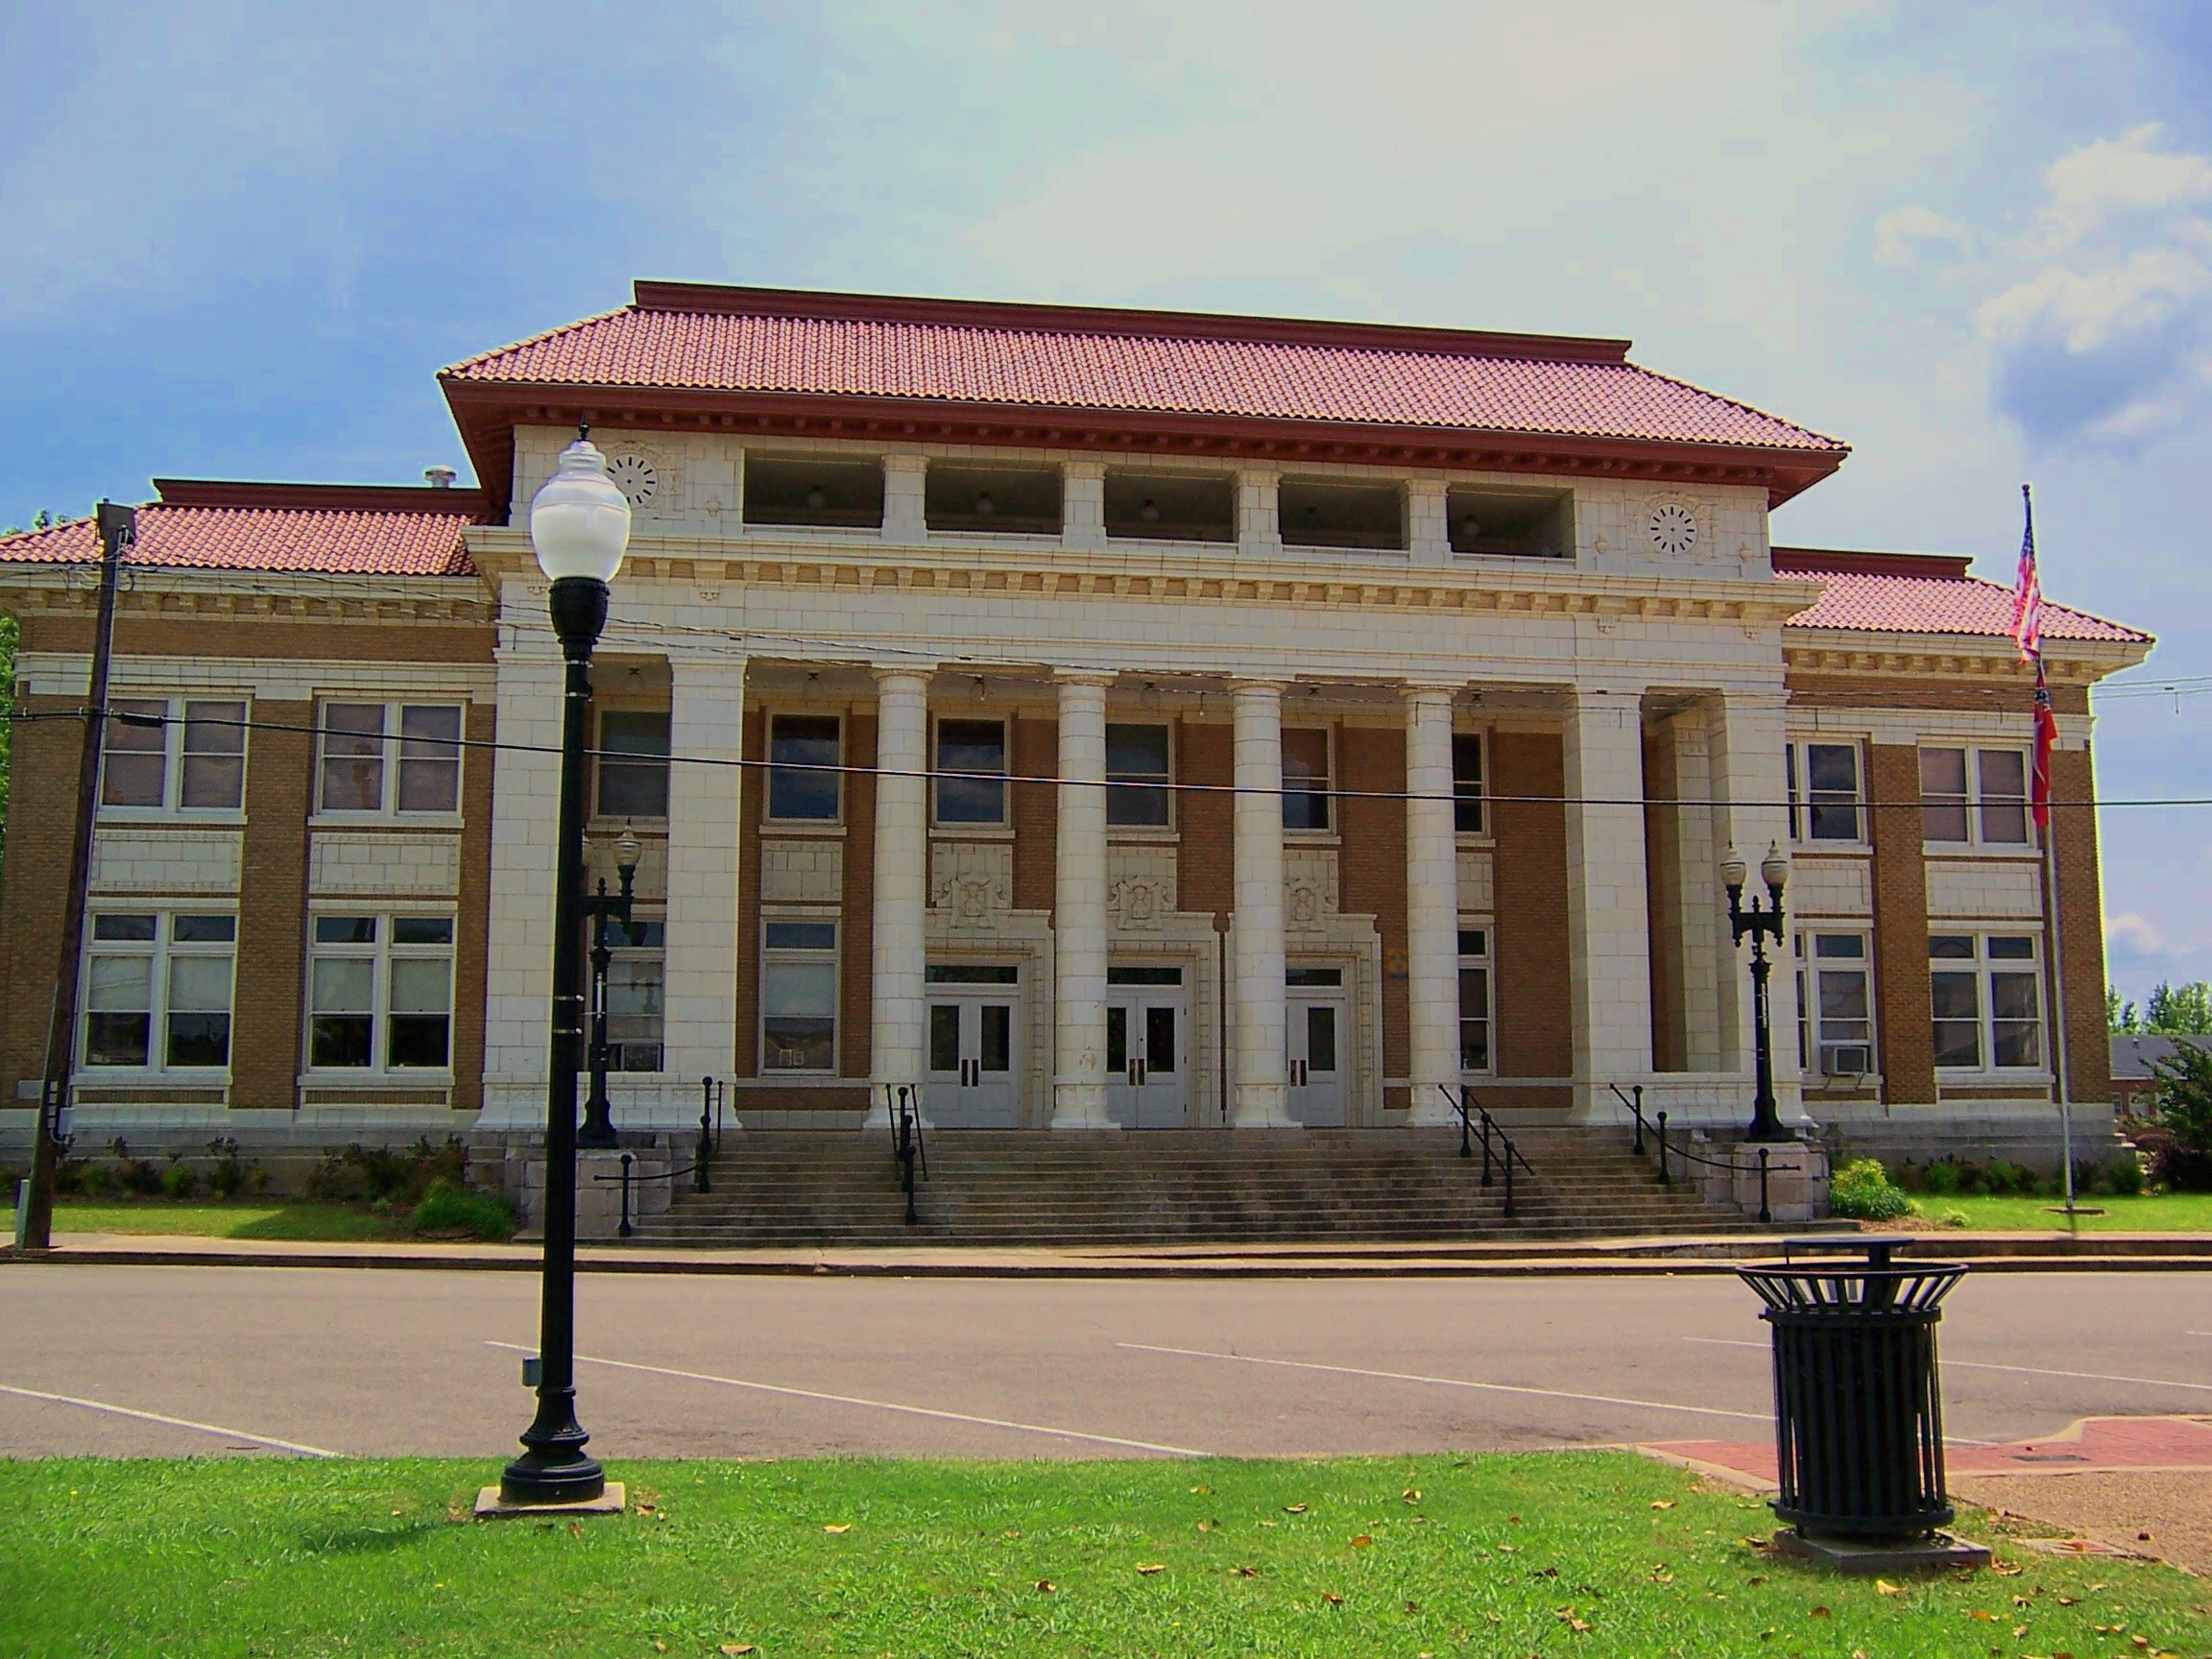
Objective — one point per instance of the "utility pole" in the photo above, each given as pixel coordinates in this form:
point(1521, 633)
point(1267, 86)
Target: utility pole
point(119, 528)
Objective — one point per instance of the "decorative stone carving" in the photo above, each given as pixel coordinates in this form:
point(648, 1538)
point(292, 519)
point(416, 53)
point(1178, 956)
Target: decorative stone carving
point(1308, 888)
point(973, 880)
point(1139, 887)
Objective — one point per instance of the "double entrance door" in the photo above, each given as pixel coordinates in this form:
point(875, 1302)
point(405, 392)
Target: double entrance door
point(1315, 1045)
point(975, 1042)
point(1147, 1049)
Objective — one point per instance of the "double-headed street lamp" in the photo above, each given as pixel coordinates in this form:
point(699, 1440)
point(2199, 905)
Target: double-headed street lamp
point(579, 527)
point(598, 1131)
point(1763, 922)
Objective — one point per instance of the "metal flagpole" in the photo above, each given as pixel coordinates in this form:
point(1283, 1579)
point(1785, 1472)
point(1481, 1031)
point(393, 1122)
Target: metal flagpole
point(2028, 633)
point(2058, 1024)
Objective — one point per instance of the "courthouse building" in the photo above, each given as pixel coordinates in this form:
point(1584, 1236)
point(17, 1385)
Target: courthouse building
point(1090, 718)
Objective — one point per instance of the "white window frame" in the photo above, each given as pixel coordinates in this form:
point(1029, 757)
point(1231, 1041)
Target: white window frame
point(1328, 789)
point(383, 950)
point(1809, 967)
point(963, 826)
point(175, 716)
point(163, 949)
point(1486, 960)
point(1985, 967)
point(1975, 804)
point(836, 820)
point(1798, 761)
point(1168, 826)
point(1481, 798)
point(773, 956)
point(391, 760)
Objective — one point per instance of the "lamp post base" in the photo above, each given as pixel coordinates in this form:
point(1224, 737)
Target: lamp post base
point(554, 1476)
point(494, 1505)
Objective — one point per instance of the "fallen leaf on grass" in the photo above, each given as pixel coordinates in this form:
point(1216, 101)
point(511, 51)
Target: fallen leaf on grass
point(1888, 1589)
point(1662, 1502)
point(1293, 1509)
point(575, 1529)
point(395, 1511)
point(2008, 1568)
point(1331, 1598)
point(1504, 1548)
point(1045, 1585)
point(659, 1647)
point(838, 1526)
point(1363, 1541)
point(2018, 1631)
point(733, 1649)
point(1013, 1532)
point(1146, 1569)
point(1202, 1491)
point(1410, 1496)
point(2069, 1600)
point(1247, 1572)
point(1208, 1526)
point(1984, 1616)
point(1820, 1613)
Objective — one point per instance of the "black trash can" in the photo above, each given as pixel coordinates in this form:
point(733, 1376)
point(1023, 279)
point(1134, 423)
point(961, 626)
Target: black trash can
point(1858, 1411)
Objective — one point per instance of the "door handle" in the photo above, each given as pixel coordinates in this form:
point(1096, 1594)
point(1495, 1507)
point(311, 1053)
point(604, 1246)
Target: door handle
point(967, 1071)
point(1139, 1066)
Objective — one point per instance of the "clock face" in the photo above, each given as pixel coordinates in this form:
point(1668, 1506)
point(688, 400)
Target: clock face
point(635, 476)
point(1674, 528)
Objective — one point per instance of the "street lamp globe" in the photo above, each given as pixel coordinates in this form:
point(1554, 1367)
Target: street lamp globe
point(1733, 871)
point(580, 521)
point(1775, 870)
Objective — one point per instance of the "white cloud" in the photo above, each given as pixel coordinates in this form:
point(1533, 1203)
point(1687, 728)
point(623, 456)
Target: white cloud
point(1900, 234)
point(2118, 175)
point(2129, 931)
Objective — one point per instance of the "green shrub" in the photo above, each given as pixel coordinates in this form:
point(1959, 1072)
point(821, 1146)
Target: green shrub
point(1863, 1191)
point(139, 1175)
point(2008, 1178)
point(2124, 1175)
point(179, 1180)
point(230, 1175)
point(1943, 1178)
point(448, 1207)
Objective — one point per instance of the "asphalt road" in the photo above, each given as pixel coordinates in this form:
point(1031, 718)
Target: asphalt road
point(366, 1361)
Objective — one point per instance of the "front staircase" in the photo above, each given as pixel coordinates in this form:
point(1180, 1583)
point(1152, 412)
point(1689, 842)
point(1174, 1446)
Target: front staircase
point(1171, 1187)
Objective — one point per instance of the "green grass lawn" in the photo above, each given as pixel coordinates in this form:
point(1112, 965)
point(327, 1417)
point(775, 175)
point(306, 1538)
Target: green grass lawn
point(1587, 1553)
point(321, 1223)
point(2162, 1213)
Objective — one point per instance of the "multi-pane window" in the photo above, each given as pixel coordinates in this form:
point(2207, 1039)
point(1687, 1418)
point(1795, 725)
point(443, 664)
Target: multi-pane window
point(1825, 792)
point(158, 990)
point(633, 764)
point(636, 995)
point(380, 993)
point(1467, 783)
point(1986, 992)
point(390, 758)
point(1835, 1004)
point(174, 754)
point(971, 768)
point(799, 996)
point(1306, 778)
point(802, 755)
point(1137, 776)
point(1974, 796)
point(1474, 1000)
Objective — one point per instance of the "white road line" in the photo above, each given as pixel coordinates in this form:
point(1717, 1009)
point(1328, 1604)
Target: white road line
point(2021, 1370)
point(873, 1405)
point(172, 1422)
point(1454, 1382)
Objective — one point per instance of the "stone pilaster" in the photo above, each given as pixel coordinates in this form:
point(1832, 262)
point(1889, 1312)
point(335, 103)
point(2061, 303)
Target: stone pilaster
point(527, 792)
point(1259, 520)
point(1432, 902)
point(1747, 734)
point(902, 884)
point(1083, 506)
point(1608, 938)
point(1257, 1100)
point(903, 517)
point(706, 720)
point(1428, 525)
point(1079, 910)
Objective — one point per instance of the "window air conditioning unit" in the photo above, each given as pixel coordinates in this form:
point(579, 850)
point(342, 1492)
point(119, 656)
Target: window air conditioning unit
point(1846, 1059)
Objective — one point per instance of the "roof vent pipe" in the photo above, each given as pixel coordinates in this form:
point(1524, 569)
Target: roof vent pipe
point(440, 477)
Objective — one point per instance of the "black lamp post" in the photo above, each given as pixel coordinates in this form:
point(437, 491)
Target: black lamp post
point(598, 1131)
point(1763, 922)
point(579, 527)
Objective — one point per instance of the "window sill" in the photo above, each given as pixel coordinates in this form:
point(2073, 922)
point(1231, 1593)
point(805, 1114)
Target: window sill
point(1836, 849)
point(1478, 840)
point(213, 818)
point(384, 821)
point(1959, 1078)
point(1820, 1083)
point(803, 1079)
point(970, 832)
point(1151, 835)
point(614, 823)
point(803, 828)
point(1996, 851)
point(144, 1077)
point(1311, 838)
point(425, 1080)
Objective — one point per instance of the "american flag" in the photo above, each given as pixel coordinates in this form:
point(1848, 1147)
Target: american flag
point(2046, 739)
point(2027, 592)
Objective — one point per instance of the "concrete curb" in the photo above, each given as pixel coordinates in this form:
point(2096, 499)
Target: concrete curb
point(1647, 1257)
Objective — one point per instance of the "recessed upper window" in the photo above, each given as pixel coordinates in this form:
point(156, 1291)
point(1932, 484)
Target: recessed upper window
point(803, 758)
point(1512, 523)
point(365, 770)
point(1974, 796)
point(1306, 778)
point(1467, 783)
point(971, 768)
point(993, 500)
point(633, 764)
point(815, 492)
point(1146, 505)
point(1823, 791)
point(174, 754)
point(1329, 512)
point(1137, 776)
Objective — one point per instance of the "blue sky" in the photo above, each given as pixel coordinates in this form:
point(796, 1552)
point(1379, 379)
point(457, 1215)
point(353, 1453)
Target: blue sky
point(1975, 241)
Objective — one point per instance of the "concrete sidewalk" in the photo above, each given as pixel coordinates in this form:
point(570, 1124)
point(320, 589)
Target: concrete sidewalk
point(1989, 1252)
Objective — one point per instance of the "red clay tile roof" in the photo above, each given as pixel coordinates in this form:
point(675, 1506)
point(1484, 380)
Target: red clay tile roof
point(700, 338)
point(365, 539)
point(1880, 602)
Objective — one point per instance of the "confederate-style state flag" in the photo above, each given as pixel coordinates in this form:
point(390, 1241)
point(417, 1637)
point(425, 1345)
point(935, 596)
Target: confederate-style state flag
point(2046, 739)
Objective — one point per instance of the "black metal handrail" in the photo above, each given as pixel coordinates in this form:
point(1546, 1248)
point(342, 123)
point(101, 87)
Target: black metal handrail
point(713, 1095)
point(907, 1147)
point(1666, 1178)
point(1475, 1121)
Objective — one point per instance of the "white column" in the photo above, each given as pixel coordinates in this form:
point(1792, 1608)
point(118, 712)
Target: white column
point(1258, 1102)
point(1748, 731)
point(1083, 505)
point(1432, 902)
point(905, 520)
point(1608, 938)
point(706, 720)
point(1706, 970)
point(1258, 513)
point(525, 806)
point(1427, 524)
point(1079, 910)
point(902, 884)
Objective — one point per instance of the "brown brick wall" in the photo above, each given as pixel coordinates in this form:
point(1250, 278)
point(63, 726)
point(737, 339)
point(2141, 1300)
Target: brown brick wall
point(192, 635)
point(856, 990)
point(473, 931)
point(42, 815)
point(1903, 1023)
point(1205, 858)
point(2081, 911)
point(266, 1051)
point(751, 801)
point(1534, 1035)
point(1372, 871)
point(1847, 691)
point(1034, 744)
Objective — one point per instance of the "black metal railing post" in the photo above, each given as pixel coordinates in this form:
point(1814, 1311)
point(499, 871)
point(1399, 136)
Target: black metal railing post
point(1765, 1213)
point(699, 1182)
point(1485, 1149)
point(1639, 1109)
point(1510, 1156)
point(905, 1153)
point(1665, 1179)
point(627, 1160)
point(1466, 1150)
